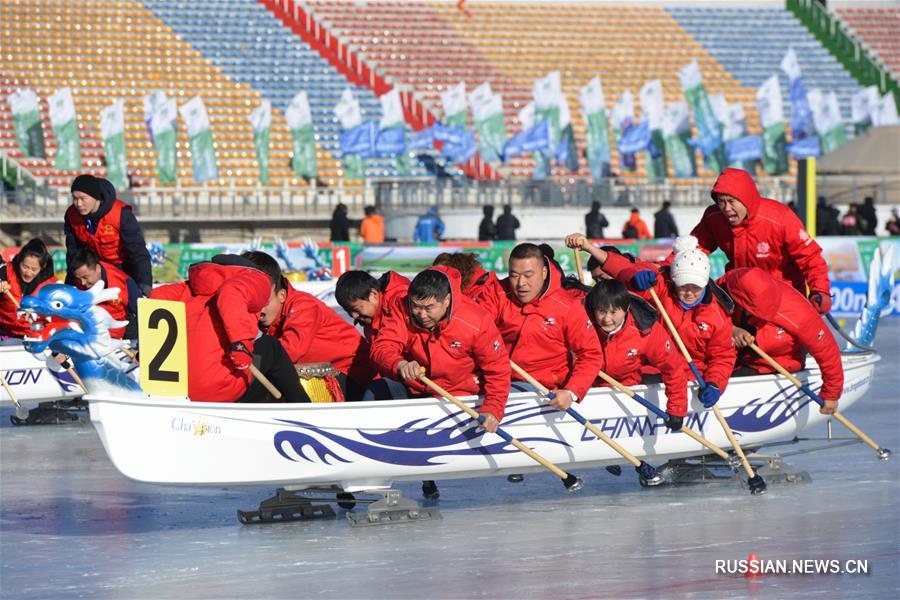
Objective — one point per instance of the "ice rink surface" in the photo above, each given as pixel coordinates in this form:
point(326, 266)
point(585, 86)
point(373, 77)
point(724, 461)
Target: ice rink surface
point(72, 526)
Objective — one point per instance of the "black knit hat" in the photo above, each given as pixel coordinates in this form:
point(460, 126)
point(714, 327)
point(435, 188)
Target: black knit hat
point(88, 184)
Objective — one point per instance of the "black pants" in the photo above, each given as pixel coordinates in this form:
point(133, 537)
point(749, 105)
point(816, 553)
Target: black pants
point(273, 362)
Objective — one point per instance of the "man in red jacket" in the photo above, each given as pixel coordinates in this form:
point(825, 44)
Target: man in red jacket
point(546, 331)
point(784, 324)
point(368, 300)
point(86, 270)
point(223, 299)
point(98, 221)
point(311, 332)
point(452, 338)
point(632, 336)
point(759, 232)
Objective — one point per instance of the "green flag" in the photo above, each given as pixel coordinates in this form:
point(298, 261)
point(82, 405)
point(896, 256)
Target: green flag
point(652, 109)
point(65, 128)
point(862, 104)
point(27, 118)
point(827, 118)
point(112, 131)
point(453, 102)
point(354, 167)
point(487, 110)
point(677, 133)
point(203, 156)
point(162, 127)
point(261, 122)
point(593, 109)
point(303, 139)
point(709, 130)
point(349, 115)
point(771, 117)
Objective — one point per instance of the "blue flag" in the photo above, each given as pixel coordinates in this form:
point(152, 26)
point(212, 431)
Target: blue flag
point(747, 148)
point(635, 139)
point(360, 140)
point(807, 147)
point(448, 135)
point(801, 114)
point(391, 142)
point(514, 146)
point(462, 149)
point(421, 140)
point(537, 139)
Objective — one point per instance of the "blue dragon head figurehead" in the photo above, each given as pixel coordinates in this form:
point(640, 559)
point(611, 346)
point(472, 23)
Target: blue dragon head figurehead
point(67, 320)
point(878, 298)
point(318, 271)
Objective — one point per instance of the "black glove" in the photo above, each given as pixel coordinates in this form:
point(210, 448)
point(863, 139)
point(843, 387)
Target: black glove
point(674, 423)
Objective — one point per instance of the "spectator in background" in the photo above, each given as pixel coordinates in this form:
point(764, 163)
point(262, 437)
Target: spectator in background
point(372, 227)
point(866, 212)
point(340, 224)
point(850, 223)
point(429, 227)
point(893, 224)
point(635, 228)
point(594, 222)
point(827, 221)
point(487, 231)
point(664, 223)
point(507, 224)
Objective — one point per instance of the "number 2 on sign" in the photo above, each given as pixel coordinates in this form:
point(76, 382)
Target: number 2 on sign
point(162, 334)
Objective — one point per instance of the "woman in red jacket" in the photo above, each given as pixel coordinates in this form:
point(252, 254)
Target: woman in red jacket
point(783, 324)
point(476, 282)
point(28, 271)
point(631, 336)
point(697, 306)
point(759, 232)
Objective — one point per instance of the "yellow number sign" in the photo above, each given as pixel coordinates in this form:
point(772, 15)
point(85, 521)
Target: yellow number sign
point(162, 332)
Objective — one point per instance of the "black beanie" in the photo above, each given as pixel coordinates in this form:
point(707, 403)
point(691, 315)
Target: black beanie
point(88, 184)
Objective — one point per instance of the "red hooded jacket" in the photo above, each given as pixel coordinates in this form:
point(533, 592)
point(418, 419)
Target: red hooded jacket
point(391, 290)
point(484, 283)
point(704, 329)
point(222, 303)
point(775, 305)
point(9, 322)
point(771, 237)
point(643, 340)
point(123, 308)
point(311, 332)
point(551, 337)
point(464, 353)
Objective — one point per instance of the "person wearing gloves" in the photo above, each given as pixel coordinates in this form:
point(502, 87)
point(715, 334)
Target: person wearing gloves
point(698, 307)
point(758, 232)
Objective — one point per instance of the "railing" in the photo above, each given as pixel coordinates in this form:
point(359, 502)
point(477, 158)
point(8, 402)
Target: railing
point(852, 53)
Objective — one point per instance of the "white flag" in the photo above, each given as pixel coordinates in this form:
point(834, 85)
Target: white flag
point(591, 97)
point(652, 103)
point(825, 109)
point(261, 116)
point(565, 117)
point(526, 116)
point(789, 64)
point(164, 118)
point(481, 95)
point(298, 113)
point(25, 101)
point(863, 103)
point(487, 107)
point(112, 119)
point(152, 102)
point(62, 107)
point(885, 111)
point(347, 110)
point(690, 76)
point(676, 118)
point(769, 102)
point(194, 115)
point(454, 99)
point(547, 92)
point(391, 109)
point(623, 110)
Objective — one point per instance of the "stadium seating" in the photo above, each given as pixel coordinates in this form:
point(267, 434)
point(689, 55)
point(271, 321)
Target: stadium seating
point(879, 29)
point(751, 42)
point(246, 41)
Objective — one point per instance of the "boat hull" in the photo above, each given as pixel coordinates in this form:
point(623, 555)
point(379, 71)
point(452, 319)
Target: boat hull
point(31, 380)
point(369, 445)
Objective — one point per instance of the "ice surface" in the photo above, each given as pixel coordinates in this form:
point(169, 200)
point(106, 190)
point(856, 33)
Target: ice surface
point(72, 526)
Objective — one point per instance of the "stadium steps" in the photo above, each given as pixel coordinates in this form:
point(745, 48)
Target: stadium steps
point(878, 27)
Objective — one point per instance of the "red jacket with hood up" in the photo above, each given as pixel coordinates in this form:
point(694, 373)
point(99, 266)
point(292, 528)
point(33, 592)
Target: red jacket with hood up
point(704, 329)
point(773, 305)
point(551, 337)
point(771, 237)
point(222, 304)
point(311, 332)
point(643, 340)
point(464, 353)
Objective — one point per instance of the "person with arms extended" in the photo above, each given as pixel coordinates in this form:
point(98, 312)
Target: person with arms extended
point(98, 221)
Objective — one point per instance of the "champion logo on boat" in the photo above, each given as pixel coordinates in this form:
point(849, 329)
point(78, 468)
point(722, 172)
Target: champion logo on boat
point(762, 250)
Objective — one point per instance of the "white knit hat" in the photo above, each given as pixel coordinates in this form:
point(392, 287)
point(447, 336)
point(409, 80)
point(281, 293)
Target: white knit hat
point(690, 265)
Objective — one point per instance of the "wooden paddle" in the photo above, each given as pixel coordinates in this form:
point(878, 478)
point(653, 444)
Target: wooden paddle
point(265, 381)
point(647, 471)
point(757, 486)
point(883, 453)
point(21, 412)
point(572, 483)
point(660, 413)
point(578, 268)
